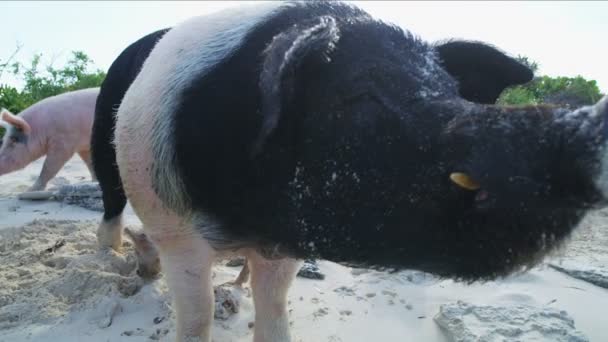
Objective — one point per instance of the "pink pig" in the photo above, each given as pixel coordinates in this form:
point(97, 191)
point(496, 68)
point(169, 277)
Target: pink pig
point(57, 127)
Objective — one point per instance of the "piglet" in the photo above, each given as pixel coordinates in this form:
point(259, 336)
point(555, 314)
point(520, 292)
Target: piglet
point(57, 127)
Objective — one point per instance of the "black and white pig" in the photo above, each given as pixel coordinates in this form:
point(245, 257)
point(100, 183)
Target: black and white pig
point(119, 77)
point(286, 131)
point(482, 73)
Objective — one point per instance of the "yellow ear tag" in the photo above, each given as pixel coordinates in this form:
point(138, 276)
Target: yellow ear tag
point(464, 181)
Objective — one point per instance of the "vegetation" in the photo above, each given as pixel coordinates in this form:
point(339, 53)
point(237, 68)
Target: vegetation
point(569, 91)
point(77, 73)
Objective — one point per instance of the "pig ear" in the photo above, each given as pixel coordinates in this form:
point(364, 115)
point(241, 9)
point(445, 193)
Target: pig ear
point(288, 51)
point(15, 121)
point(601, 108)
point(3, 123)
point(482, 71)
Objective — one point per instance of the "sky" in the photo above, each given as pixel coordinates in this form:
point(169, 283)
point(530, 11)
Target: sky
point(565, 38)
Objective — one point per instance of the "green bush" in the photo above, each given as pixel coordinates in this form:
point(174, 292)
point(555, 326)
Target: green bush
point(38, 85)
point(570, 91)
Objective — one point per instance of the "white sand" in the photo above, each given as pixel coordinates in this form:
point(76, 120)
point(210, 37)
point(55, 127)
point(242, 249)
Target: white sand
point(80, 294)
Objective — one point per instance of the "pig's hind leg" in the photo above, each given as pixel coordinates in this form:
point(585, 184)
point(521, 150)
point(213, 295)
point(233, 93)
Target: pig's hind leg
point(85, 155)
point(243, 276)
point(53, 163)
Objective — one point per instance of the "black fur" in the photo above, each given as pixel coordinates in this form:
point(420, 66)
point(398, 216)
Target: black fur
point(483, 71)
point(346, 154)
point(125, 68)
point(121, 74)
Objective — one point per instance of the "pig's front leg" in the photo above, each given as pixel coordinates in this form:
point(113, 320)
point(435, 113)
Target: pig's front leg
point(270, 281)
point(52, 164)
point(86, 158)
point(186, 260)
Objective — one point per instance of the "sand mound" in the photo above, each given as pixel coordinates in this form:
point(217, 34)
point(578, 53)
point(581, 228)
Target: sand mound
point(465, 322)
point(595, 276)
point(49, 268)
point(52, 272)
point(586, 257)
point(84, 194)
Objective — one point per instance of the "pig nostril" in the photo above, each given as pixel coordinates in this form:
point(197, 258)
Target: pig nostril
point(481, 196)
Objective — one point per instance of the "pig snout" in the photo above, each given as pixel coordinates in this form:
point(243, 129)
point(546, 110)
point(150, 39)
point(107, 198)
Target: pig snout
point(14, 154)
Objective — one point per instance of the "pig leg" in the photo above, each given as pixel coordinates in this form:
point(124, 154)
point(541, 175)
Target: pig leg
point(86, 158)
point(148, 263)
point(109, 233)
point(186, 259)
point(53, 163)
point(270, 281)
point(103, 156)
point(243, 276)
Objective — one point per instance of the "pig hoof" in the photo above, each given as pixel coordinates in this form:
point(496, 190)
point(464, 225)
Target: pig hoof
point(109, 234)
point(147, 272)
point(148, 264)
point(35, 195)
point(106, 240)
point(233, 283)
point(147, 256)
point(36, 187)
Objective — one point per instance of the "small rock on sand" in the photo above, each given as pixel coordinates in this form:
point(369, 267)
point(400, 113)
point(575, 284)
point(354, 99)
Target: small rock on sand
point(310, 270)
point(227, 301)
point(85, 194)
point(236, 262)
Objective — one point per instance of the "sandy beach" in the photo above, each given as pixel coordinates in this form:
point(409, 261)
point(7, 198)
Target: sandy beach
point(56, 286)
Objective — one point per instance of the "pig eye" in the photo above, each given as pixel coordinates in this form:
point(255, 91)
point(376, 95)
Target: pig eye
point(464, 181)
